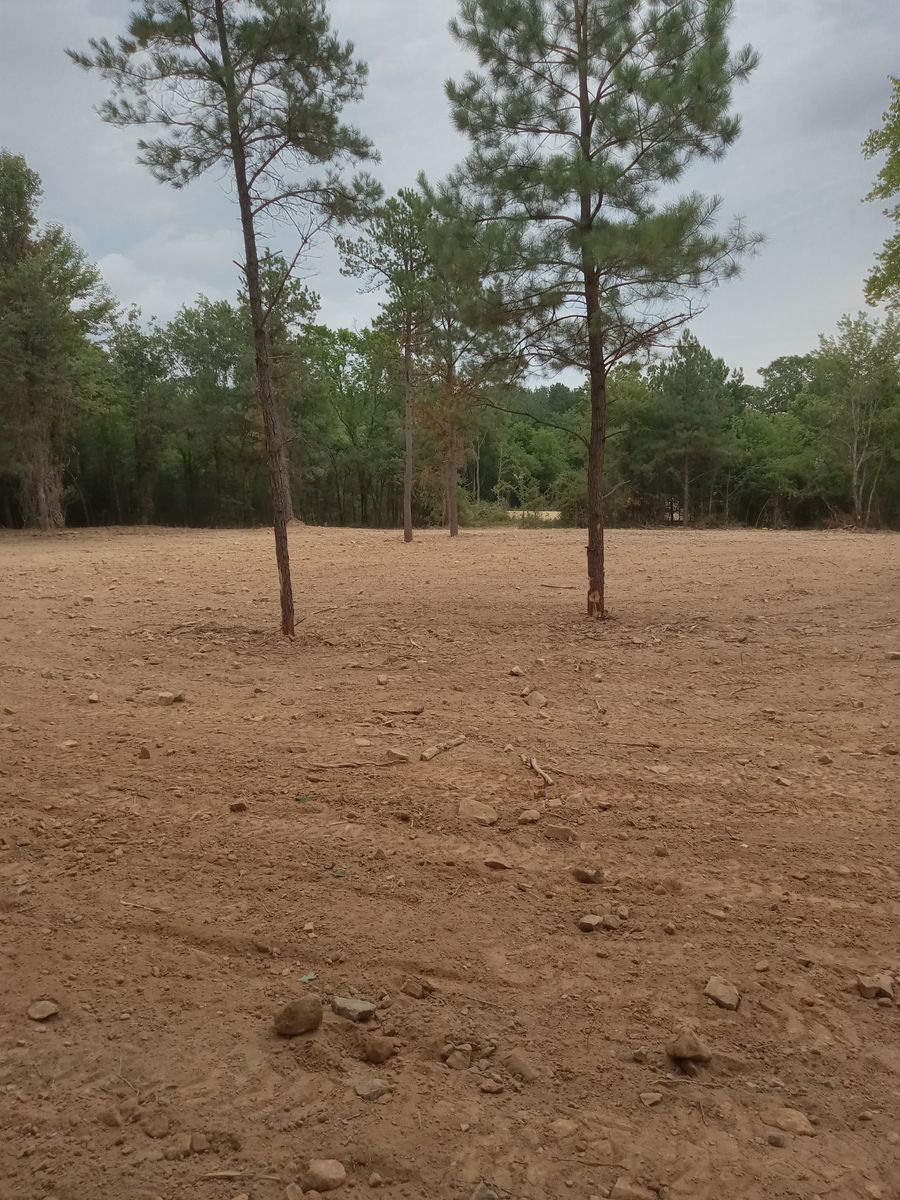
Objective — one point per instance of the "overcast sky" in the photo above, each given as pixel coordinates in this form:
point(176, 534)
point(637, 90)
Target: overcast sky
point(796, 174)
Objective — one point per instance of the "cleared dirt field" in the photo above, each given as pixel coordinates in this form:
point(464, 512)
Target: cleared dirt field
point(722, 751)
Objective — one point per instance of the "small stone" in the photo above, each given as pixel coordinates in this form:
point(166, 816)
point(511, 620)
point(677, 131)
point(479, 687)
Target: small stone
point(894, 655)
point(789, 1120)
point(669, 928)
point(144, 752)
point(610, 923)
point(590, 923)
point(156, 1125)
point(651, 1099)
point(381, 680)
point(299, 1016)
point(687, 1047)
point(293, 1191)
point(353, 1010)
point(165, 698)
point(180, 1147)
point(378, 1049)
point(589, 875)
point(536, 700)
point(826, 760)
point(111, 1117)
point(762, 966)
point(563, 1128)
point(375, 1180)
point(722, 993)
point(199, 1143)
point(43, 1010)
point(777, 1139)
point(890, 748)
point(560, 833)
point(324, 1175)
point(516, 671)
point(483, 1192)
point(237, 806)
point(93, 698)
point(491, 1087)
point(518, 1064)
point(498, 864)
point(372, 1089)
point(474, 810)
point(458, 1060)
point(661, 851)
point(872, 987)
point(626, 1189)
point(529, 816)
point(414, 988)
point(398, 756)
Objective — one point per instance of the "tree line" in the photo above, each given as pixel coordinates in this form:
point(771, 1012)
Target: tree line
point(557, 245)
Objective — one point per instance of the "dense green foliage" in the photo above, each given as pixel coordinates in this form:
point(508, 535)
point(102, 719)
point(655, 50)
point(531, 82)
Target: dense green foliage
point(883, 282)
point(159, 423)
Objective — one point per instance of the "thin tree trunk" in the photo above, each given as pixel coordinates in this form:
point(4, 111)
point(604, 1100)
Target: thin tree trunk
point(686, 501)
point(274, 441)
point(407, 436)
point(452, 488)
point(596, 592)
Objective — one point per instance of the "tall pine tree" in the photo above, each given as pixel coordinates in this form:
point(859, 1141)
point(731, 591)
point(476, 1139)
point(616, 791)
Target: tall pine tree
point(582, 116)
point(258, 85)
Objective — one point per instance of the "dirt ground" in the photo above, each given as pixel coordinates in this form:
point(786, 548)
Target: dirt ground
point(721, 750)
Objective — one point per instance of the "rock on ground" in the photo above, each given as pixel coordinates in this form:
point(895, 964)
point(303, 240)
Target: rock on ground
point(688, 1047)
point(353, 1010)
point(324, 1175)
point(299, 1016)
point(43, 1010)
point(474, 810)
point(789, 1120)
point(722, 993)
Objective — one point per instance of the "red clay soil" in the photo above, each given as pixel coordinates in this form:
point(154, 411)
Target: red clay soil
point(173, 871)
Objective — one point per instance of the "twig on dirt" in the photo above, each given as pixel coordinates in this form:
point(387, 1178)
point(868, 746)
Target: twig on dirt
point(434, 751)
point(561, 587)
point(353, 763)
point(418, 645)
point(410, 710)
point(532, 763)
point(226, 1175)
point(147, 907)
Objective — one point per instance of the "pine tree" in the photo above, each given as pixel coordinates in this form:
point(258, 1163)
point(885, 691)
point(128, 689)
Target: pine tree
point(582, 116)
point(258, 85)
point(392, 253)
point(883, 282)
point(52, 302)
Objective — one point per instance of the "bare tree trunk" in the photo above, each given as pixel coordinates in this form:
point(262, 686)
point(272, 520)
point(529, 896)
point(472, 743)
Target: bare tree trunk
point(452, 487)
point(41, 484)
point(596, 596)
point(686, 500)
point(282, 510)
point(596, 592)
point(407, 436)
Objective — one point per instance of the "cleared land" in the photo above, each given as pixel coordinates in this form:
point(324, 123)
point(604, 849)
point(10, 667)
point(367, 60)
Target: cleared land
point(721, 750)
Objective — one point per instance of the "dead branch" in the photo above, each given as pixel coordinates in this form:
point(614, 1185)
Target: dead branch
point(434, 751)
point(533, 764)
